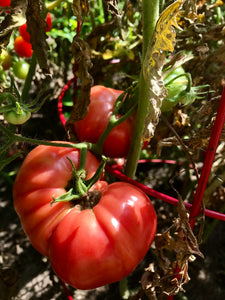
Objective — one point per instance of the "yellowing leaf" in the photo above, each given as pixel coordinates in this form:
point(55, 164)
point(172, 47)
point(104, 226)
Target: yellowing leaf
point(163, 41)
point(108, 54)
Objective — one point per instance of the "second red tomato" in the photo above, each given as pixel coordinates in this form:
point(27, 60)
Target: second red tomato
point(93, 125)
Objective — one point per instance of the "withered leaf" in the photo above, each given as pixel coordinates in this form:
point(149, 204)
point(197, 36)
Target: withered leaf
point(11, 21)
point(174, 248)
point(111, 6)
point(36, 27)
point(82, 54)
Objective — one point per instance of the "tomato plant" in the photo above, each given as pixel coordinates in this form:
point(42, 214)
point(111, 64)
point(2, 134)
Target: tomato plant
point(4, 3)
point(22, 48)
point(90, 129)
point(21, 69)
point(23, 28)
point(13, 117)
point(91, 247)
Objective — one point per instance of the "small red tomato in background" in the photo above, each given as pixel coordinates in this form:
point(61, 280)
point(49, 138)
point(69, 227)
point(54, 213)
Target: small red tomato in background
point(90, 129)
point(23, 32)
point(4, 3)
point(23, 29)
point(22, 48)
point(49, 22)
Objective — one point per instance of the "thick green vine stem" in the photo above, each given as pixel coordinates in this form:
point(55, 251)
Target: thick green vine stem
point(150, 16)
point(113, 122)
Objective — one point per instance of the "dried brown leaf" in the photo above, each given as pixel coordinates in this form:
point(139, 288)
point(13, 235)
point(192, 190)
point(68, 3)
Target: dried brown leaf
point(82, 54)
point(177, 240)
point(111, 6)
point(36, 26)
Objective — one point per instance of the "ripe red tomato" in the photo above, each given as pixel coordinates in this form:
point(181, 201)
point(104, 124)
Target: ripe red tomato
point(87, 248)
point(5, 3)
point(23, 29)
point(93, 125)
point(22, 48)
point(104, 244)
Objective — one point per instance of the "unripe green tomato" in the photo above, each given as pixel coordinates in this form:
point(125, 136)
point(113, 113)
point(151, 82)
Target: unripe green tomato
point(21, 69)
point(17, 119)
point(174, 89)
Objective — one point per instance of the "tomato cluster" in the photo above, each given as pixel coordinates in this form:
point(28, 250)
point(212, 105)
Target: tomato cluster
point(87, 248)
point(22, 43)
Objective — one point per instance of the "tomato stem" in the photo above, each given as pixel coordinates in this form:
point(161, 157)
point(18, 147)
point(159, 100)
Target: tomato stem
point(83, 154)
point(150, 14)
point(19, 138)
point(113, 122)
point(90, 182)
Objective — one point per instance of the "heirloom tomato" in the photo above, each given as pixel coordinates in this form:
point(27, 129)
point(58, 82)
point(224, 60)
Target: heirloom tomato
point(102, 100)
point(89, 247)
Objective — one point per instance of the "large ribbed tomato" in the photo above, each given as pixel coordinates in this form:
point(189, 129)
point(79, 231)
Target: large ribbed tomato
point(102, 100)
point(90, 247)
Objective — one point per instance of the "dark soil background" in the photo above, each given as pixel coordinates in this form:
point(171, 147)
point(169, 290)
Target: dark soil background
point(26, 275)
